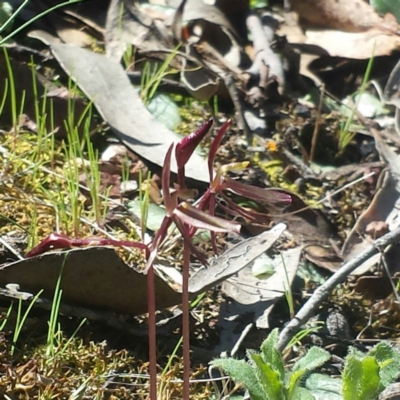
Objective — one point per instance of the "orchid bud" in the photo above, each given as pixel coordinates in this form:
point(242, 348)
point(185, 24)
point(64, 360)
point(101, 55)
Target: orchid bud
point(185, 147)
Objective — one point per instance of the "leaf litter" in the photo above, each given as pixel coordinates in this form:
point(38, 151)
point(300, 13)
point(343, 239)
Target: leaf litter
point(317, 222)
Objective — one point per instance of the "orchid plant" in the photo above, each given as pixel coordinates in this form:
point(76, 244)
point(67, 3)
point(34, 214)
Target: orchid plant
point(187, 218)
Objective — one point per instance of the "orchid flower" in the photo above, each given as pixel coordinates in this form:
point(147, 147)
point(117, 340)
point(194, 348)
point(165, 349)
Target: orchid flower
point(221, 183)
point(184, 215)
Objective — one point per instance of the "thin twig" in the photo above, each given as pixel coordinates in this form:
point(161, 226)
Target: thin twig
point(324, 290)
point(316, 127)
point(11, 249)
point(243, 335)
point(387, 270)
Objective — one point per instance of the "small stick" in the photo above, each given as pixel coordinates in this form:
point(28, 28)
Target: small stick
point(316, 127)
point(242, 337)
point(324, 290)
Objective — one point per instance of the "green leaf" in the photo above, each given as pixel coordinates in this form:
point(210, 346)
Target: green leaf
point(6, 11)
point(301, 393)
point(155, 214)
point(369, 105)
point(366, 375)
point(324, 382)
point(389, 361)
point(294, 381)
point(263, 267)
point(268, 378)
point(323, 387)
point(254, 4)
point(370, 379)
point(351, 376)
point(322, 395)
point(314, 358)
point(271, 355)
point(242, 372)
point(165, 111)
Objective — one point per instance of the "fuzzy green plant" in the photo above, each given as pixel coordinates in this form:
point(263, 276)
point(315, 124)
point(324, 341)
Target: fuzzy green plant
point(367, 375)
point(265, 377)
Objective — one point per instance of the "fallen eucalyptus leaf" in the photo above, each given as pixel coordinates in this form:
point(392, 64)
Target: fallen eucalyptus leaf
point(246, 289)
point(235, 259)
point(93, 278)
point(105, 82)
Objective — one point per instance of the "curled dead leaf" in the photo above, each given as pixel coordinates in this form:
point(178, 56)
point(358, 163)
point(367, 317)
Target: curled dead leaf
point(344, 15)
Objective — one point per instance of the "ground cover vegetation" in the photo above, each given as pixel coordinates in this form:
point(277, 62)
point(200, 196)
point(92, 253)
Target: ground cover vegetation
point(137, 263)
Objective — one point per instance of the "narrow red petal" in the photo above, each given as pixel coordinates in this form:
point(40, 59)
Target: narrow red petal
point(236, 210)
point(165, 182)
point(192, 216)
point(185, 147)
point(215, 146)
point(256, 193)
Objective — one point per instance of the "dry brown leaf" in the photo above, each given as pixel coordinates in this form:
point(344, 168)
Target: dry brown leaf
point(311, 229)
point(358, 42)
point(374, 287)
point(127, 24)
point(235, 259)
point(94, 278)
point(345, 15)
point(214, 42)
point(263, 294)
point(382, 211)
point(362, 45)
point(105, 82)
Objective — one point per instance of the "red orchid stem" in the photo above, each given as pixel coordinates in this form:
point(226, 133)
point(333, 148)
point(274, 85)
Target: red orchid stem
point(181, 177)
point(151, 307)
point(59, 241)
point(212, 212)
point(215, 146)
point(203, 204)
point(186, 322)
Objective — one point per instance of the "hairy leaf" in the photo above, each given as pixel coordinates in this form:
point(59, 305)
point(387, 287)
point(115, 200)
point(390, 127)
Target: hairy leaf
point(242, 372)
point(351, 376)
point(389, 359)
point(314, 358)
point(370, 380)
point(268, 378)
point(271, 355)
